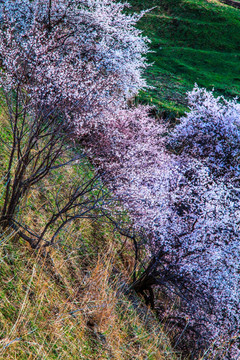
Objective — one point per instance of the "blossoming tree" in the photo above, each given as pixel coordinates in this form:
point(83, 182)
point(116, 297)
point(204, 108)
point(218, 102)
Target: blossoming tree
point(188, 202)
point(63, 64)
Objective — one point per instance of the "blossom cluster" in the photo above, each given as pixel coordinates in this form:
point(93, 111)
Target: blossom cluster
point(210, 132)
point(81, 56)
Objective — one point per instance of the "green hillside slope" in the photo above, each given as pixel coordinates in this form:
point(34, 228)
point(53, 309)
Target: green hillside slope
point(193, 41)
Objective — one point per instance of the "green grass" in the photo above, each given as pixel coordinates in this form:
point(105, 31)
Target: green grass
point(193, 41)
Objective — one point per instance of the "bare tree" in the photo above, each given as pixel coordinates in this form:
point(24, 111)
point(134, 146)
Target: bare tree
point(36, 145)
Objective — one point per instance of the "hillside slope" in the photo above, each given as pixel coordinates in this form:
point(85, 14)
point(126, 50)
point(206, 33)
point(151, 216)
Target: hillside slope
point(59, 305)
point(193, 41)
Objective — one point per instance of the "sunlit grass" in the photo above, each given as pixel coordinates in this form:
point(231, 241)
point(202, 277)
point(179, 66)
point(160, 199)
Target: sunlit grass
point(193, 41)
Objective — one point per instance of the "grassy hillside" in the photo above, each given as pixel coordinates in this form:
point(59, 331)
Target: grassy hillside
point(193, 41)
point(62, 305)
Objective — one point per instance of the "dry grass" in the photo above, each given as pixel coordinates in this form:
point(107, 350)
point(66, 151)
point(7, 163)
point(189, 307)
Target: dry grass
point(53, 309)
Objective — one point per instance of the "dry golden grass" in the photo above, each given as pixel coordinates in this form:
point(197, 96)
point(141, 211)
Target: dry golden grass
point(52, 309)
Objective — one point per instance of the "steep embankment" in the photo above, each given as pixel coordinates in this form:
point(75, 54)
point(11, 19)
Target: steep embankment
point(193, 41)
